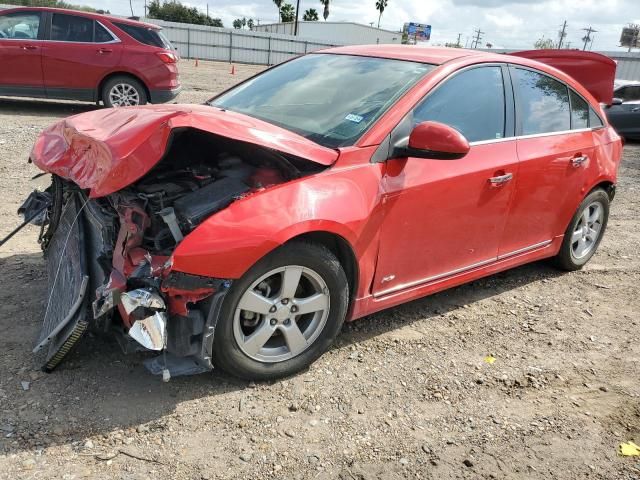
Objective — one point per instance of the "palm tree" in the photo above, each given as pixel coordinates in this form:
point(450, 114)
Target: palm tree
point(287, 13)
point(279, 5)
point(380, 6)
point(325, 13)
point(310, 15)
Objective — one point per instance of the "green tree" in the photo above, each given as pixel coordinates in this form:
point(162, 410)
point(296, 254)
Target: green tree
point(310, 15)
point(174, 11)
point(287, 13)
point(325, 12)
point(543, 44)
point(237, 24)
point(380, 6)
point(250, 23)
point(279, 5)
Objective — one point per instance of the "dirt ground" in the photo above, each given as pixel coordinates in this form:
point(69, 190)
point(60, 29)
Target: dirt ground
point(405, 393)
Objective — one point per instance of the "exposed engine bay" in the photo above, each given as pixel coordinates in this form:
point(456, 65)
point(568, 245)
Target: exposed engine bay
point(109, 258)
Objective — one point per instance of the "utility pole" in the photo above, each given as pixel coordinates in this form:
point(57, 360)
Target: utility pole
point(458, 42)
point(476, 40)
point(207, 9)
point(295, 27)
point(562, 34)
point(587, 37)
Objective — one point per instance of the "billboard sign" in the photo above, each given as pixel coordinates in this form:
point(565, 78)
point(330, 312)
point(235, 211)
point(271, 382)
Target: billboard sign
point(630, 37)
point(419, 31)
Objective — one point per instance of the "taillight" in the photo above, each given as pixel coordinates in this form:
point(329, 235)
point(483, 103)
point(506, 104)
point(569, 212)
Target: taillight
point(167, 57)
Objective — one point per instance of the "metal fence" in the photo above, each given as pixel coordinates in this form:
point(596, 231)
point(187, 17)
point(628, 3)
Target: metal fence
point(242, 46)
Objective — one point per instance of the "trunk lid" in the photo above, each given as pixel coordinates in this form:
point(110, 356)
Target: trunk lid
point(106, 150)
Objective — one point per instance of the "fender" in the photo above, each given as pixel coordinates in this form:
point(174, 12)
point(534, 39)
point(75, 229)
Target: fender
point(342, 201)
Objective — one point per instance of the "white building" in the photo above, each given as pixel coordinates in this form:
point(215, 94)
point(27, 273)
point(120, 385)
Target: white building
point(341, 33)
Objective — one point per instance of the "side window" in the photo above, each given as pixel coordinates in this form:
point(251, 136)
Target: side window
point(594, 119)
point(20, 26)
point(472, 102)
point(70, 28)
point(101, 34)
point(543, 103)
point(632, 94)
point(579, 111)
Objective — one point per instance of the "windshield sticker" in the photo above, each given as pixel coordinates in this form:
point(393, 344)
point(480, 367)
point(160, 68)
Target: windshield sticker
point(352, 117)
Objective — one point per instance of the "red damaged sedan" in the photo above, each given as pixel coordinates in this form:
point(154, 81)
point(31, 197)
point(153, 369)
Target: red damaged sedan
point(242, 233)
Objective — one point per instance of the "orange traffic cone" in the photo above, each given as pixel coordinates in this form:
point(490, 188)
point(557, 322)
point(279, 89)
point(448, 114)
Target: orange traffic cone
point(196, 62)
point(233, 69)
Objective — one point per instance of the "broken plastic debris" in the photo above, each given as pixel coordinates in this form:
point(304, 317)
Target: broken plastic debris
point(150, 332)
point(629, 449)
point(490, 359)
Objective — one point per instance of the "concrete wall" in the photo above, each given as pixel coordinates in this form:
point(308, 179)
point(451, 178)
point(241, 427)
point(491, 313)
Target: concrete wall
point(347, 33)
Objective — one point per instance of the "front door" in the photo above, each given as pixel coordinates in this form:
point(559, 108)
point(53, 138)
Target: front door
point(443, 217)
point(20, 54)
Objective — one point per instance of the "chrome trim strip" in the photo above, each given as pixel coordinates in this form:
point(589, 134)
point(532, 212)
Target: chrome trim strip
point(461, 270)
point(535, 135)
point(525, 249)
point(433, 278)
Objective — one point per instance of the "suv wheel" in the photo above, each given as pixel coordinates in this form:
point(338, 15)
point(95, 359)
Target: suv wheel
point(122, 91)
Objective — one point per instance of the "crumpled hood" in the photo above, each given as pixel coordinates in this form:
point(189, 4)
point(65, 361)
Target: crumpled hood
point(107, 150)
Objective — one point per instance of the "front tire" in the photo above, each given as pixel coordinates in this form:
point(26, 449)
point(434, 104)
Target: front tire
point(123, 91)
point(585, 231)
point(282, 314)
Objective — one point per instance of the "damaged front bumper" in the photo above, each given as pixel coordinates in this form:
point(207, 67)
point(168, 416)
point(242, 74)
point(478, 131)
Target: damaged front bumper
point(92, 277)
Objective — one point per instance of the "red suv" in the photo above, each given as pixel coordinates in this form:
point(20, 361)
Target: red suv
point(65, 54)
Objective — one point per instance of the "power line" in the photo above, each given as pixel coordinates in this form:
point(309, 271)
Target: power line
point(562, 34)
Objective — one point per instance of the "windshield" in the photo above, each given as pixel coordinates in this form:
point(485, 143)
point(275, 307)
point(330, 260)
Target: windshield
point(329, 99)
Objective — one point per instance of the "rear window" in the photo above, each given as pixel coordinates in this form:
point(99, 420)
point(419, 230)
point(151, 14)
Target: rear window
point(148, 36)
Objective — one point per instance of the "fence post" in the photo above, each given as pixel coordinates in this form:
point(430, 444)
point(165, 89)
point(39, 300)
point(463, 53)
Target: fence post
point(188, 43)
point(269, 52)
point(306, 46)
point(230, 46)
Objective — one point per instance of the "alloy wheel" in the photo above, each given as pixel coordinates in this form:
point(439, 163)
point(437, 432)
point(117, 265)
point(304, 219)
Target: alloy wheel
point(281, 314)
point(587, 230)
point(124, 95)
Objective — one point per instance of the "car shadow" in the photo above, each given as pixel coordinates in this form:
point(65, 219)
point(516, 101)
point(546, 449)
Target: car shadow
point(43, 108)
point(98, 389)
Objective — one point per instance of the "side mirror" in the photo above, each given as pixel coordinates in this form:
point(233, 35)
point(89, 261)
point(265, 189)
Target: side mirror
point(436, 141)
point(616, 101)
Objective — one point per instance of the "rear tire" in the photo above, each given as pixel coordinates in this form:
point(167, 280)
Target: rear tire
point(584, 233)
point(300, 288)
point(123, 91)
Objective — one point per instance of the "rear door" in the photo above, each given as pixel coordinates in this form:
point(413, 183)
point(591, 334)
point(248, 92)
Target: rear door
point(77, 54)
point(20, 53)
point(555, 150)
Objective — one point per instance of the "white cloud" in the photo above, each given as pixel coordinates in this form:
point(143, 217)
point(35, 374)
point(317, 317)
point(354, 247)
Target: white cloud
point(506, 23)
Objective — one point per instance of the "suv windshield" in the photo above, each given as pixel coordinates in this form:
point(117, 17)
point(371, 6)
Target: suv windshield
point(327, 98)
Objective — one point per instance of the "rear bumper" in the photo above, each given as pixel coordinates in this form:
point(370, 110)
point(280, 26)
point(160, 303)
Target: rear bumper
point(163, 96)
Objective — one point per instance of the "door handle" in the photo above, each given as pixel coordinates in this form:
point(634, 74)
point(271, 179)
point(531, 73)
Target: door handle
point(501, 179)
point(29, 47)
point(577, 161)
point(102, 51)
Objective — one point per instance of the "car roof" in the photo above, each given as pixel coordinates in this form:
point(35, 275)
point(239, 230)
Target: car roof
point(94, 15)
point(431, 55)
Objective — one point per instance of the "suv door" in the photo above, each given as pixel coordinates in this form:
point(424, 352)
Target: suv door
point(555, 149)
point(78, 53)
point(20, 51)
point(444, 217)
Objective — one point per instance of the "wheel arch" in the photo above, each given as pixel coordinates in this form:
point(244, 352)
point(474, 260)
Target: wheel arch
point(343, 251)
point(122, 73)
point(607, 185)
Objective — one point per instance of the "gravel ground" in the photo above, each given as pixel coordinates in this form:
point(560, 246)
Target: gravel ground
point(405, 393)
